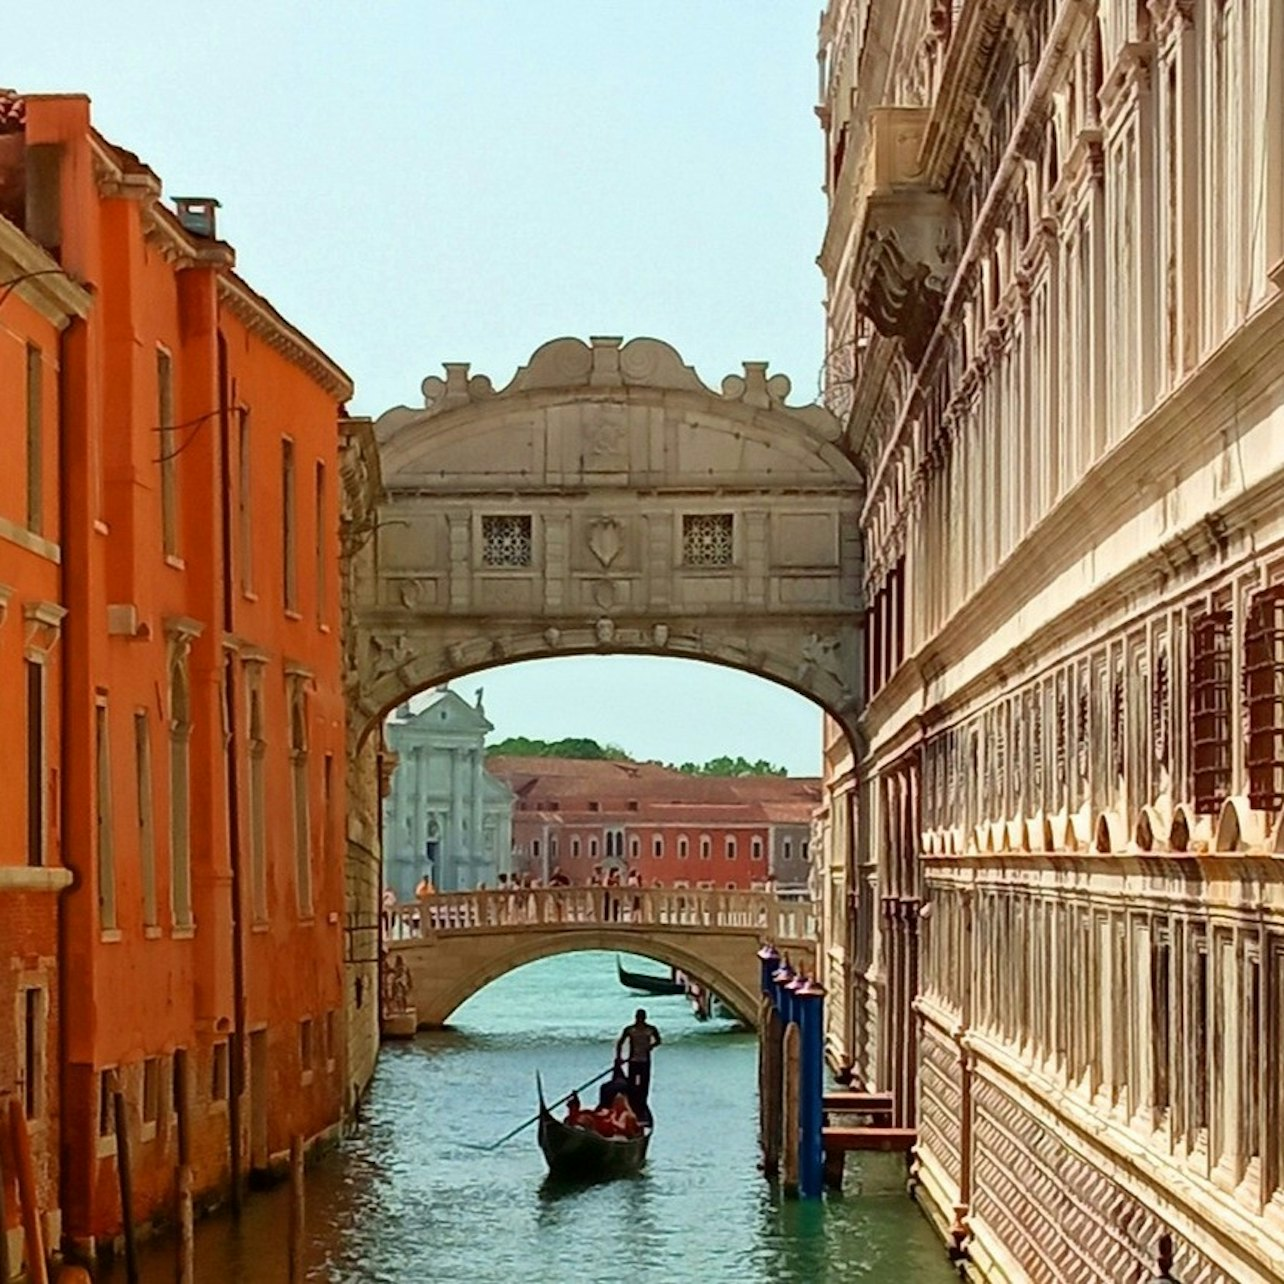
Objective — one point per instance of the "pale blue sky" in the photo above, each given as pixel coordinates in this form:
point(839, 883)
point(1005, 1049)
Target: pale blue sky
point(420, 181)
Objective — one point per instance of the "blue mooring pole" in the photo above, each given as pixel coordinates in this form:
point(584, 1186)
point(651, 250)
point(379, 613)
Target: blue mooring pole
point(809, 1005)
point(769, 958)
point(783, 998)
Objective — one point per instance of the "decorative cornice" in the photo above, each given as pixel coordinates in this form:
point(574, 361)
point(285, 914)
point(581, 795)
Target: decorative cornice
point(48, 288)
point(266, 323)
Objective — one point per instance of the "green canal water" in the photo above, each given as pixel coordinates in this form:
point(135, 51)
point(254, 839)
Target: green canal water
point(406, 1200)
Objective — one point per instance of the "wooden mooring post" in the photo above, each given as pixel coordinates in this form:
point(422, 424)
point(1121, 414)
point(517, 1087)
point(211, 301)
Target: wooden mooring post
point(32, 1232)
point(297, 1211)
point(185, 1267)
point(125, 1178)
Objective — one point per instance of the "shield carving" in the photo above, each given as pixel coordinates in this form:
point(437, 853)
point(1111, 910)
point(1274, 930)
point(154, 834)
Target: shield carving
point(605, 540)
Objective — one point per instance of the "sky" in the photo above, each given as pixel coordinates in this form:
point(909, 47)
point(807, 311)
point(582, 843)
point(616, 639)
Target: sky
point(419, 181)
point(672, 710)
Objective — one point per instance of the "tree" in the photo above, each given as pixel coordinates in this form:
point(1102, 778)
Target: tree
point(578, 747)
point(737, 766)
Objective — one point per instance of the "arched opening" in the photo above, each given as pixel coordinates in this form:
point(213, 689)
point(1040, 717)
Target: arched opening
point(645, 770)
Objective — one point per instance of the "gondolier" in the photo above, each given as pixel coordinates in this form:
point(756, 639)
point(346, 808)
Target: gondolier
point(638, 1039)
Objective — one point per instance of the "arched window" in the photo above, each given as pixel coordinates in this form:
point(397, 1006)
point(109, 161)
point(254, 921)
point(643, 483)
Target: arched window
point(575, 847)
point(302, 802)
point(706, 847)
point(731, 847)
point(657, 846)
point(684, 850)
point(755, 849)
point(258, 796)
point(180, 733)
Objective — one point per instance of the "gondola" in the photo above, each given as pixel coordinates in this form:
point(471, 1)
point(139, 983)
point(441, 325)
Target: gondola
point(577, 1155)
point(645, 984)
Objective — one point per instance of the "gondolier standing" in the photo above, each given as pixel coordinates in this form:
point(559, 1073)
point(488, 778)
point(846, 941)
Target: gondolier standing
point(639, 1038)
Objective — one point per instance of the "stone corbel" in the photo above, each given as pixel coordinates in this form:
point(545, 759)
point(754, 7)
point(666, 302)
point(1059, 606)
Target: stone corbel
point(44, 627)
point(182, 631)
point(907, 255)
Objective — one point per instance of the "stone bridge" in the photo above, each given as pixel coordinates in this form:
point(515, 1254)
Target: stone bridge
point(604, 501)
point(454, 944)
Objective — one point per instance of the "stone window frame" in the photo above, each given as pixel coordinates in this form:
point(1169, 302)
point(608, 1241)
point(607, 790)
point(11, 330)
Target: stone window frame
point(145, 816)
point(182, 633)
point(104, 823)
point(297, 682)
point(684, 847)
point(489, 531)
point(687, 536)
point(32, 1055)
point(253, 665)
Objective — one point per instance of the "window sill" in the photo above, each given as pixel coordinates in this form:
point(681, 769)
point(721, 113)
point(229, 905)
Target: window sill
point(306, 1078)
point(152, 932)
point(292, 613)
point(182, 931)
point(106, 1146)
point(260, 927)
point(172, 559)
point(147, 1132)
point(323, 628)
point(249, 595)
point(307, 920)
point(101, 526)
point(110, 935)
point(218, 1106)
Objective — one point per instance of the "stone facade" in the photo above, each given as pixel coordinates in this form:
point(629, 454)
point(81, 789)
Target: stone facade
point(1054, 260)
point(445, 815)
point(669, 828)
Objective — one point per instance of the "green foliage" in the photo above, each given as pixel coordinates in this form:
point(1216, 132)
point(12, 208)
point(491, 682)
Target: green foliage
point(736, 766)
point(570, 747)
point(582, 747)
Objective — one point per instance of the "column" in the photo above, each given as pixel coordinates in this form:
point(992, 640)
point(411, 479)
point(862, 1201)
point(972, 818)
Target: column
point(453, 846)
point(476, 849)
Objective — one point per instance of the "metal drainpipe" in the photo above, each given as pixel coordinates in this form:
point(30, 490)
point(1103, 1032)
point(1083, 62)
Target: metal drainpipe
point(237, 1084)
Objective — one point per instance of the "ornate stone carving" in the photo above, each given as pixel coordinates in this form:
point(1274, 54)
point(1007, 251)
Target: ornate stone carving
point(553, 637)
point(604, 631)
point(605, 539)
point(660, 634)
point(823, 655)
point(389, 655)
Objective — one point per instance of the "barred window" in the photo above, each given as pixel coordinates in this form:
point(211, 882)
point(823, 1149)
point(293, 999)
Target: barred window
point(1264, 699)
point(706, 539)
point(1210, 709)
point(506, 540)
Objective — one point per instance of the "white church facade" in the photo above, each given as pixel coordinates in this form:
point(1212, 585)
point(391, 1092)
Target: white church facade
point(445, 815)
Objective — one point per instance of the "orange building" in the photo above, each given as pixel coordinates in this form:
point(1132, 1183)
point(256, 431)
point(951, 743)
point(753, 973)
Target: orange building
point(672, 829)
point(202, 710)
point(37, 305)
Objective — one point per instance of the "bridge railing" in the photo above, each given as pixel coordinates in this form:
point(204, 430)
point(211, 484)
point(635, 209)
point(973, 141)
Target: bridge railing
point(773, 917)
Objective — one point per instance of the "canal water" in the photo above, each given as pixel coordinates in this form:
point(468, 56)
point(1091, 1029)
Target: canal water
point(407, 1199)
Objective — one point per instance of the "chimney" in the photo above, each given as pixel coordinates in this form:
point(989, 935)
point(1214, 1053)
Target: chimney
point(196, 214)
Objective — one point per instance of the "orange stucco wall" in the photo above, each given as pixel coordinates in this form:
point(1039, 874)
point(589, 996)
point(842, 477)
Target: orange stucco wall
point(149, 633)
point(30, 580)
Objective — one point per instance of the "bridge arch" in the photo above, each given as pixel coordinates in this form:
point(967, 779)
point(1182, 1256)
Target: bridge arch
point(729, 969)
point(604, 501)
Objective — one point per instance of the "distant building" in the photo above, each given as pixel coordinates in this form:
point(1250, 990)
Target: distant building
point(675, 830)
point(445, 814)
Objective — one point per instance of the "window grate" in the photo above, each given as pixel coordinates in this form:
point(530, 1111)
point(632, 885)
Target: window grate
point(707, 539)
point(1210, 709)
point(1264, 699)
point(506, 540)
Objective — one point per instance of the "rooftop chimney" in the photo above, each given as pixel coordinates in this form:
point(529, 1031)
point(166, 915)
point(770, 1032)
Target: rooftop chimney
point(196, 214)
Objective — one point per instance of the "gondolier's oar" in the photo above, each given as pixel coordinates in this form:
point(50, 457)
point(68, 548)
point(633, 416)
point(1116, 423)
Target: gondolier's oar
point(508, 1136)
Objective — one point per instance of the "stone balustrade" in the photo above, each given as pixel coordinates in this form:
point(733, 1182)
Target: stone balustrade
point(769, 915)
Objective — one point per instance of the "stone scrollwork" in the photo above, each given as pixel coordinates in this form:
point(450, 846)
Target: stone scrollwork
point(389, 655)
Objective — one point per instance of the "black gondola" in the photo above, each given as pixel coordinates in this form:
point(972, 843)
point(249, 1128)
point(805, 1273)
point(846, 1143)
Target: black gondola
point(645, 984)
point(576, 1154)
